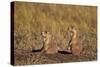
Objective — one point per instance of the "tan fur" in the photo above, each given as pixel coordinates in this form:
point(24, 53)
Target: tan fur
point(50, 47)
point(76, 46)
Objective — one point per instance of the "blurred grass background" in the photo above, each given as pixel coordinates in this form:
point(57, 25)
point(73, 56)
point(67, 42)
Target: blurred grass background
point(30, 19)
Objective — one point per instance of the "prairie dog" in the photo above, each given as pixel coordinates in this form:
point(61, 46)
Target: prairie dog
point(76, 46)
point(50, 47)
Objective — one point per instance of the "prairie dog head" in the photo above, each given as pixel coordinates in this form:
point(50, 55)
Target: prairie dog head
point(46, 36)
point(43, 34)
point(72, 30)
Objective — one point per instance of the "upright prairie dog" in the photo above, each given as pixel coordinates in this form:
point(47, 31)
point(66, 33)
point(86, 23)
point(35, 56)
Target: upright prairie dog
point(50, 47)
point(76, 46)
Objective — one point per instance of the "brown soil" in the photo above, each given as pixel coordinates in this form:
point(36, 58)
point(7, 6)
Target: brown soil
point(23, 57)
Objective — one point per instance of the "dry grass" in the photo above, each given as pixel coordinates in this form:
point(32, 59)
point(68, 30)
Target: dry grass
point(30, 19)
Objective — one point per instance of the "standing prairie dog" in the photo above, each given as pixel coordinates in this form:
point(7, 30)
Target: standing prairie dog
point(50, 47)
point(76, 46)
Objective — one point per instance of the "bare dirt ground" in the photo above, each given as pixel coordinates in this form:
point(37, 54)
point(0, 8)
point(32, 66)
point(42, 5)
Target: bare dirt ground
point(23, 57)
